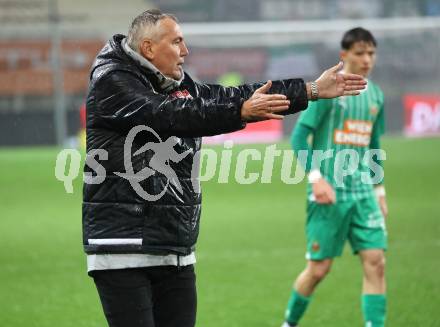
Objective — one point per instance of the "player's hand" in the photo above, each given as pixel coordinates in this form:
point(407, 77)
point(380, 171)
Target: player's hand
point(383, 205)
point(263, 106)
point(332, 84)
point(323, 192)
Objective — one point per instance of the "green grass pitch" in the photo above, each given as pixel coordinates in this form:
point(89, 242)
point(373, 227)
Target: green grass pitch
point(250, 248)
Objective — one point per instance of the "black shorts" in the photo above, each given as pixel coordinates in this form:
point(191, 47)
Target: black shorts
point(148, 297)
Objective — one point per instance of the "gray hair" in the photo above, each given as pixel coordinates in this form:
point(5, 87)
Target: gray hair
point(146, 25)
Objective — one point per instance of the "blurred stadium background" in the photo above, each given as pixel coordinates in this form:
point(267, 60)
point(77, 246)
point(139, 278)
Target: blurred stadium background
point(248, 254)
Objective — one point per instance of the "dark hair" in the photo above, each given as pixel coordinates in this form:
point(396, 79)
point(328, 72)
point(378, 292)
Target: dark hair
point(357, 34)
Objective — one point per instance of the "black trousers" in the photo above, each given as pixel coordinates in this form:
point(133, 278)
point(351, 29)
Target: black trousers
point(148, 297)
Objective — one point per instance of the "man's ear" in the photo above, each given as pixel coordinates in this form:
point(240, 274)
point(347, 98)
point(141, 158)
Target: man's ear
point(146, 49)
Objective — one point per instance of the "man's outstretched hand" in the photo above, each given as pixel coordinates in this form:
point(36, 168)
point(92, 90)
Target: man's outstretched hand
point(332, 84)
point(263, 106)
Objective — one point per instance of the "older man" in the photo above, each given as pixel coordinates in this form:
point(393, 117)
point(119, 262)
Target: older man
point(140, 251)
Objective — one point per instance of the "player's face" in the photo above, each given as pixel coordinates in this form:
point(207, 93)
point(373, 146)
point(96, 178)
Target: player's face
point(168, 51)
point(359, 59)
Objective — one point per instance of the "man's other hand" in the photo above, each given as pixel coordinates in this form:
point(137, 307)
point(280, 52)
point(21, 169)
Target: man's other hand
point(323, 192)
point(262, 106)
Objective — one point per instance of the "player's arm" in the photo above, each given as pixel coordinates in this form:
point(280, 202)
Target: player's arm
point(379, 187)
point(308, 122)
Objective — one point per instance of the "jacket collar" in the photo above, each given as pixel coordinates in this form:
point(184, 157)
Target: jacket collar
point(165, 83)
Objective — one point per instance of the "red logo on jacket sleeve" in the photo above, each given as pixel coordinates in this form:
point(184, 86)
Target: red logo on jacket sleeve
point(181, 94)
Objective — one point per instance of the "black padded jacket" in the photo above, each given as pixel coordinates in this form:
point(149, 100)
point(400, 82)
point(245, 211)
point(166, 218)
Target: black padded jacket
point(122, 95)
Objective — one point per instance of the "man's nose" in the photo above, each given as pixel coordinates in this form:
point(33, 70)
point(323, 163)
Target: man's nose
point(183, 50)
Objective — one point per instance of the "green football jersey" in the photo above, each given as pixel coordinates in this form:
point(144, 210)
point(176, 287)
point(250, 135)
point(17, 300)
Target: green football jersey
point(344, 127)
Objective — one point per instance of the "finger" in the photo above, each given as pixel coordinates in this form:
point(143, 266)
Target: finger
point(327, 198)
point(350, 93)
point(274, 116)
point(272, 100)
point(354, 87)
point(355, 82)
point(276, 103)
point(270, 97)
point(337, 67)
point(321, 198)
point(278, 108)
point(354, 77)
point(265, 88)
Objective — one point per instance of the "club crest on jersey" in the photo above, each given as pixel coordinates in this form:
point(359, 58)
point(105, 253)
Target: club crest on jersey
point(374, 110)
point(181, 94)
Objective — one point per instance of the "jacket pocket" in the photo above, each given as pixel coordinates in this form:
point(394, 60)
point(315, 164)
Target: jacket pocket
point(112, 221)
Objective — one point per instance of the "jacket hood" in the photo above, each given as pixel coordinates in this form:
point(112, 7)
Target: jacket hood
point(114, 55)
point(166, 83)
point(111, 53)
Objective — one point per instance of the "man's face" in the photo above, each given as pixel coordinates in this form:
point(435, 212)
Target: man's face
point(168, 50)
point(359, 59)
